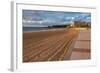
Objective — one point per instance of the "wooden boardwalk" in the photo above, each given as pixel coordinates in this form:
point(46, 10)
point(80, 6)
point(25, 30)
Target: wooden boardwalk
point(53, 45)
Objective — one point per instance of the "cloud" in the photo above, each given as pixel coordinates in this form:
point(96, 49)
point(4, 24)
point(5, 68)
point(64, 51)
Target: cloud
point(43, 23)
point(48, 18)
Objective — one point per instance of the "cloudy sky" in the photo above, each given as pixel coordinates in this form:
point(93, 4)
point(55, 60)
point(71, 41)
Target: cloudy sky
point(39, 18)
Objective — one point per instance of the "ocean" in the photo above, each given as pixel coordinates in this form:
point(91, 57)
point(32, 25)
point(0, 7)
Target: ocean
point(32, 29)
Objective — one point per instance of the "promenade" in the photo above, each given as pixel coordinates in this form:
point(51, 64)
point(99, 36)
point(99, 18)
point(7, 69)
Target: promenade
point(82, 47)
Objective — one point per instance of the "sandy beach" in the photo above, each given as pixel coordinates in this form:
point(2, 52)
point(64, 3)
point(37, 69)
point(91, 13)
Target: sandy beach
point(50, 45)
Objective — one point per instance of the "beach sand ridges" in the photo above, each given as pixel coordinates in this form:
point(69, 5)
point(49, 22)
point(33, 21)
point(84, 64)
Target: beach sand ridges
point(48, 45)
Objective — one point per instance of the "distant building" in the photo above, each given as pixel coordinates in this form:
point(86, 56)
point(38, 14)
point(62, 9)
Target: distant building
point(82, 24)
